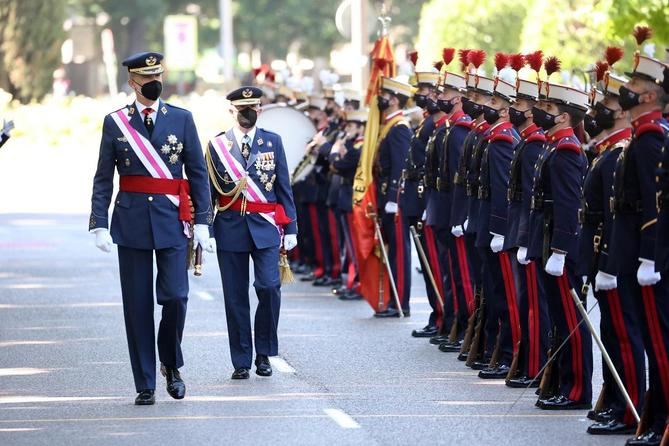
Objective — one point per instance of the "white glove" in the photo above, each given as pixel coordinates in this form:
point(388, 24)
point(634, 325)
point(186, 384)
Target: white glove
point(424, 216)
point(289, 241)
point(604, 281)
point(555, 264)
point(497, 242)
point(457, 230)
point(391, 207)
point(646, 274)
point(465, 224)
point(521, 255)
point(201, 237)
point(103, 240)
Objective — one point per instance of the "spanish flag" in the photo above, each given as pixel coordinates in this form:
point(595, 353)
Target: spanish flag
point(374, 283)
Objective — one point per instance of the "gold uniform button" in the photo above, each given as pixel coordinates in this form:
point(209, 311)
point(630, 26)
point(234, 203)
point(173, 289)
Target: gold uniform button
point(150, 198)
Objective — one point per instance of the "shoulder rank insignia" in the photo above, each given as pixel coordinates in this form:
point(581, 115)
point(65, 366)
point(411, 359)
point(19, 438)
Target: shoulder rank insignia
point(122, 139)
point(269, 143)
point(228, 144)
point(164, 110)
point(260, 141)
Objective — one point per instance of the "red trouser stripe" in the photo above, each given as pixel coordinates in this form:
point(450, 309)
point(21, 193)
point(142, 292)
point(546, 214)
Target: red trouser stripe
point(511, 302)
point(533, 319)
point(575, 339)
point(318, 247)
point(352, 272)
point(334, 242)
point(399, 249)
point(433, 259)
point(456, 304)
point(655, 331)
point(464, 273)
point(625, 349)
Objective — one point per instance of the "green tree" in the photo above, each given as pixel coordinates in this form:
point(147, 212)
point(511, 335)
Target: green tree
point(31, 35)
point(625, 14)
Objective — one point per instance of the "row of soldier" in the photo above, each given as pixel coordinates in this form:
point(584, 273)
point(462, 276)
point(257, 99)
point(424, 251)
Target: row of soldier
point(516, 219)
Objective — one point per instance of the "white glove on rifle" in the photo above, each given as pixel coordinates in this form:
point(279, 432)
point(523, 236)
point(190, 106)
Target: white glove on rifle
point(103, 240)
point(521, 255)
point(555, 264)
point(605, 282)
point(646, 274)
point(497, 242)
point(457, 231)
point(391, 207)
point(201, 237)
point(289, 241)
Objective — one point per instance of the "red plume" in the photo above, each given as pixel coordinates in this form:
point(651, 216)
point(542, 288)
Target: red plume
point(447, 55)
point(601, 67)
point(476, 58)
point(413, 57)
point(642, 33)
point(256, 71)
point(516, 61)
point(613, 54)
point(463, 55)
point(501, 61)
point(438, 65)
point(270, 76)
point(534, 60)
point(552, 65)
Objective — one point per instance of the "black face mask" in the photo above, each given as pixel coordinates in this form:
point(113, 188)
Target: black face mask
point(151, 90)
point(420, 100)
point(445, 105)
point(628, 99)
point(490, 115)
point(432, 107)
point(329, 111)
point(590, 126)
point(543, 119)
point(247, 117)
point(473, 109)
point(517, 117)
point(383, 103)
point(604, 116)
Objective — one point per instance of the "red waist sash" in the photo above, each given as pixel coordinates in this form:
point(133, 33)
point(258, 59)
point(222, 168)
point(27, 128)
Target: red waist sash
point(149, 185)
point(280, 216)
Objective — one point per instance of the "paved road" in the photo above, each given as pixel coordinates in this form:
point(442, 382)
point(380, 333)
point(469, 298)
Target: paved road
point(342, 377)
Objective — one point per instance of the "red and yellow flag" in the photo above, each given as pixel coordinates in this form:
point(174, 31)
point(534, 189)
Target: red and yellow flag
point(374, 284)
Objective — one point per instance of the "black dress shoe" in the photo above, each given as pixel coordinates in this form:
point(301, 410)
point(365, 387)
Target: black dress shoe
point(426, 332)
point(338, 291)
point(439, 339)
point(648, 438)
point(450, 347)
point(480, 365)
point(302, 269)
point(145, 398)
point(612, 427)
point(561, 402)
point(240, 373)
point(463, 357)
point(309, 277)
point(263, 368)
point(389, 312)
point(498, 372)
point(175, 385)
point(350, 295)
point(321, 281)
point(523, 382)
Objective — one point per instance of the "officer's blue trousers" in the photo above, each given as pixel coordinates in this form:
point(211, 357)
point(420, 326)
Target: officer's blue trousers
point(136, 271)
point(234, 268)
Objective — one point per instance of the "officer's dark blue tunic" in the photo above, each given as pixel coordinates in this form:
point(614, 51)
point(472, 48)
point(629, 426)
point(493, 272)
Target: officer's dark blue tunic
point(142, 224)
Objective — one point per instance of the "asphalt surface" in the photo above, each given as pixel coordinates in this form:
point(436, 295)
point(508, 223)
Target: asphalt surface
point(342, 377)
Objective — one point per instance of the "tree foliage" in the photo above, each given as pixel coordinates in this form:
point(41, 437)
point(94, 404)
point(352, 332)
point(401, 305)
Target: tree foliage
point(31, 35)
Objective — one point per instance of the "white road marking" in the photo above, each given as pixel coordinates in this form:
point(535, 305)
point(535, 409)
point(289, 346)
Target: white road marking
point(204, 295)
point(343, 419)
point(281, 365)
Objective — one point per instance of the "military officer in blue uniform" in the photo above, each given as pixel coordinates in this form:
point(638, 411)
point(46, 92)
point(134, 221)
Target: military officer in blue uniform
point(553, 239)
point(492, 228)
point(255, 218)
point(391, 158)
point(150, 143)
point(532, 306)
point(441, 167)
point(634, 235)
point(412, 194)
